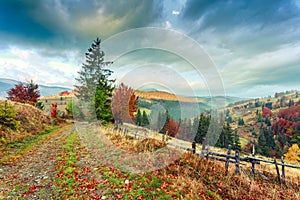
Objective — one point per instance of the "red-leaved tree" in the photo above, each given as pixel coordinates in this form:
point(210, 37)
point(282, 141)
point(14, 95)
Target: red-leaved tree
point(266, 112)
point(124, 104)
point(54, 111)
point(172, 128)
point(28, 93)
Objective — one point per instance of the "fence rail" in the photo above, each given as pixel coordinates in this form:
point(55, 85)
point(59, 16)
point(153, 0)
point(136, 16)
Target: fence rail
point(205, 153)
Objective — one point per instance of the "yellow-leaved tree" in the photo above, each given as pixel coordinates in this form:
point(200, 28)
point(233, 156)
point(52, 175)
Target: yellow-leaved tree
point(293, 153)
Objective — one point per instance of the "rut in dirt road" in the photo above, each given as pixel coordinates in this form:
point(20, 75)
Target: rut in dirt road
point(35, 170)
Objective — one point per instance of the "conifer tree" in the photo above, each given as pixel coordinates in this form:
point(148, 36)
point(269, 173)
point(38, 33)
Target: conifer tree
point(236, 142)
point(94, 86)
point(138, 118)
point(145, 120)
point(202, 128)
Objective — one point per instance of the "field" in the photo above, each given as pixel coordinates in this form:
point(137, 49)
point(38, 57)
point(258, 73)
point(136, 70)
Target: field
point(62, 102)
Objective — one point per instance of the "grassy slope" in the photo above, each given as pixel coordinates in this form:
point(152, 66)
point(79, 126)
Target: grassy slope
point(189, 177)
point(30, 122)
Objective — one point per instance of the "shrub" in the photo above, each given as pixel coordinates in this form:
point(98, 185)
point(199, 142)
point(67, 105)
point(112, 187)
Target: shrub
point(8, 116)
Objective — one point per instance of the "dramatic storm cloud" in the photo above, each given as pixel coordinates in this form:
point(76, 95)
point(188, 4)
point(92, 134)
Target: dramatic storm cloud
point(255, 45)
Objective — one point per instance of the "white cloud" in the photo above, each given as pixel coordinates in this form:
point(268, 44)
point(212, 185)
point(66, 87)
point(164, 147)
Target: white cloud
point(175, 12)
point(168, 25)
point(23, 65)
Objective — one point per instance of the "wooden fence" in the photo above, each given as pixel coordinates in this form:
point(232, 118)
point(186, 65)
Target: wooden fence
point(236, 159)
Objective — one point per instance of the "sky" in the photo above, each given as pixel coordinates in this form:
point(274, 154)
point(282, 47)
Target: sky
point(189, 47)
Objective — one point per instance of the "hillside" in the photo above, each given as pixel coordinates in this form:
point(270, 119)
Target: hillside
point(262, 115)
point(70, 164)
point(20, 121)
point(161, 95)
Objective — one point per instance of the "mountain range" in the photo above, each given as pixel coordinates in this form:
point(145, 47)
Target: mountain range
point(6, 84)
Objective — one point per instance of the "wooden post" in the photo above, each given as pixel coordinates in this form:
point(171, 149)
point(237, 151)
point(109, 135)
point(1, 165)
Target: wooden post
point(277, 170)
point(253, 166)
point(237, 162)
point(204, 153)
point(227, 158)
point(163, 137)
point(253, 161)
point(166, 136)
point(282, 171)
point(194, 147)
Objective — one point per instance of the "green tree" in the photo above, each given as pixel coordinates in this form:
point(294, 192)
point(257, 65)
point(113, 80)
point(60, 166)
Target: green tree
point(226, 137)
point(8, 116)
point(138, 118)
point(94, 86)
point(145, 120)
point(262, 147)
point(241, 122)
point(202, 128)
point(236, 142)
point(74, 110)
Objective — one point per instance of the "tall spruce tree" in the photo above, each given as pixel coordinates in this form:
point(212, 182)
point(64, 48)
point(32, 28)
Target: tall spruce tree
point(138, 118)
point(202, 128)
point(95, 87)
point(145, 120)
point(236, 141)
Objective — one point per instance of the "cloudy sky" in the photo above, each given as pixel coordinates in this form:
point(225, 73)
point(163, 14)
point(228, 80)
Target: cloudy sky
point(192, 47)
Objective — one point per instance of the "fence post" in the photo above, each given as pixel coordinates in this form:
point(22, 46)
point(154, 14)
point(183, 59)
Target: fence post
point(252, 160)
point(253, 166)
point(282, 171)
point(203, 144)
point(237, 162)
point(277, 170)
point(204, 152)
point(194, 147)
point(163, 136)
point(166, 136)
point(227, 158)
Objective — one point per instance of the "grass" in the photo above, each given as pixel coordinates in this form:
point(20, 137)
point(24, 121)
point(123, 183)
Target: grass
point(15, 150)
point(243, 141)
point(71, 179)
point(189, 177)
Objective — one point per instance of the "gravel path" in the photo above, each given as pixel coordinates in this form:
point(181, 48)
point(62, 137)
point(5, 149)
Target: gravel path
point(32, 175)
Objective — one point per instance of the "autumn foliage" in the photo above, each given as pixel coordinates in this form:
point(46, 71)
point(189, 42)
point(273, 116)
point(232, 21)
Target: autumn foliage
point(287, 122)
point(24, 93)
point(266, 112)
point(124, 104)
point(293, 153)
point(172, 128)
point(54, 111)
point(64, 93)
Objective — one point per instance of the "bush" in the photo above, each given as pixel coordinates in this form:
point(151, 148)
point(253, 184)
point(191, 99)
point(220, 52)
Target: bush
point(8, 117)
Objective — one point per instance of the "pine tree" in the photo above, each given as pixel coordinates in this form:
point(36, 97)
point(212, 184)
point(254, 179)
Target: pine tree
point(7, 116)
point(241, 122)
point(95, 87)
point(202, 128)
point(138, 118)
point(263, 147)
point(165, 122)
point(236, 142)
point(145, 120)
